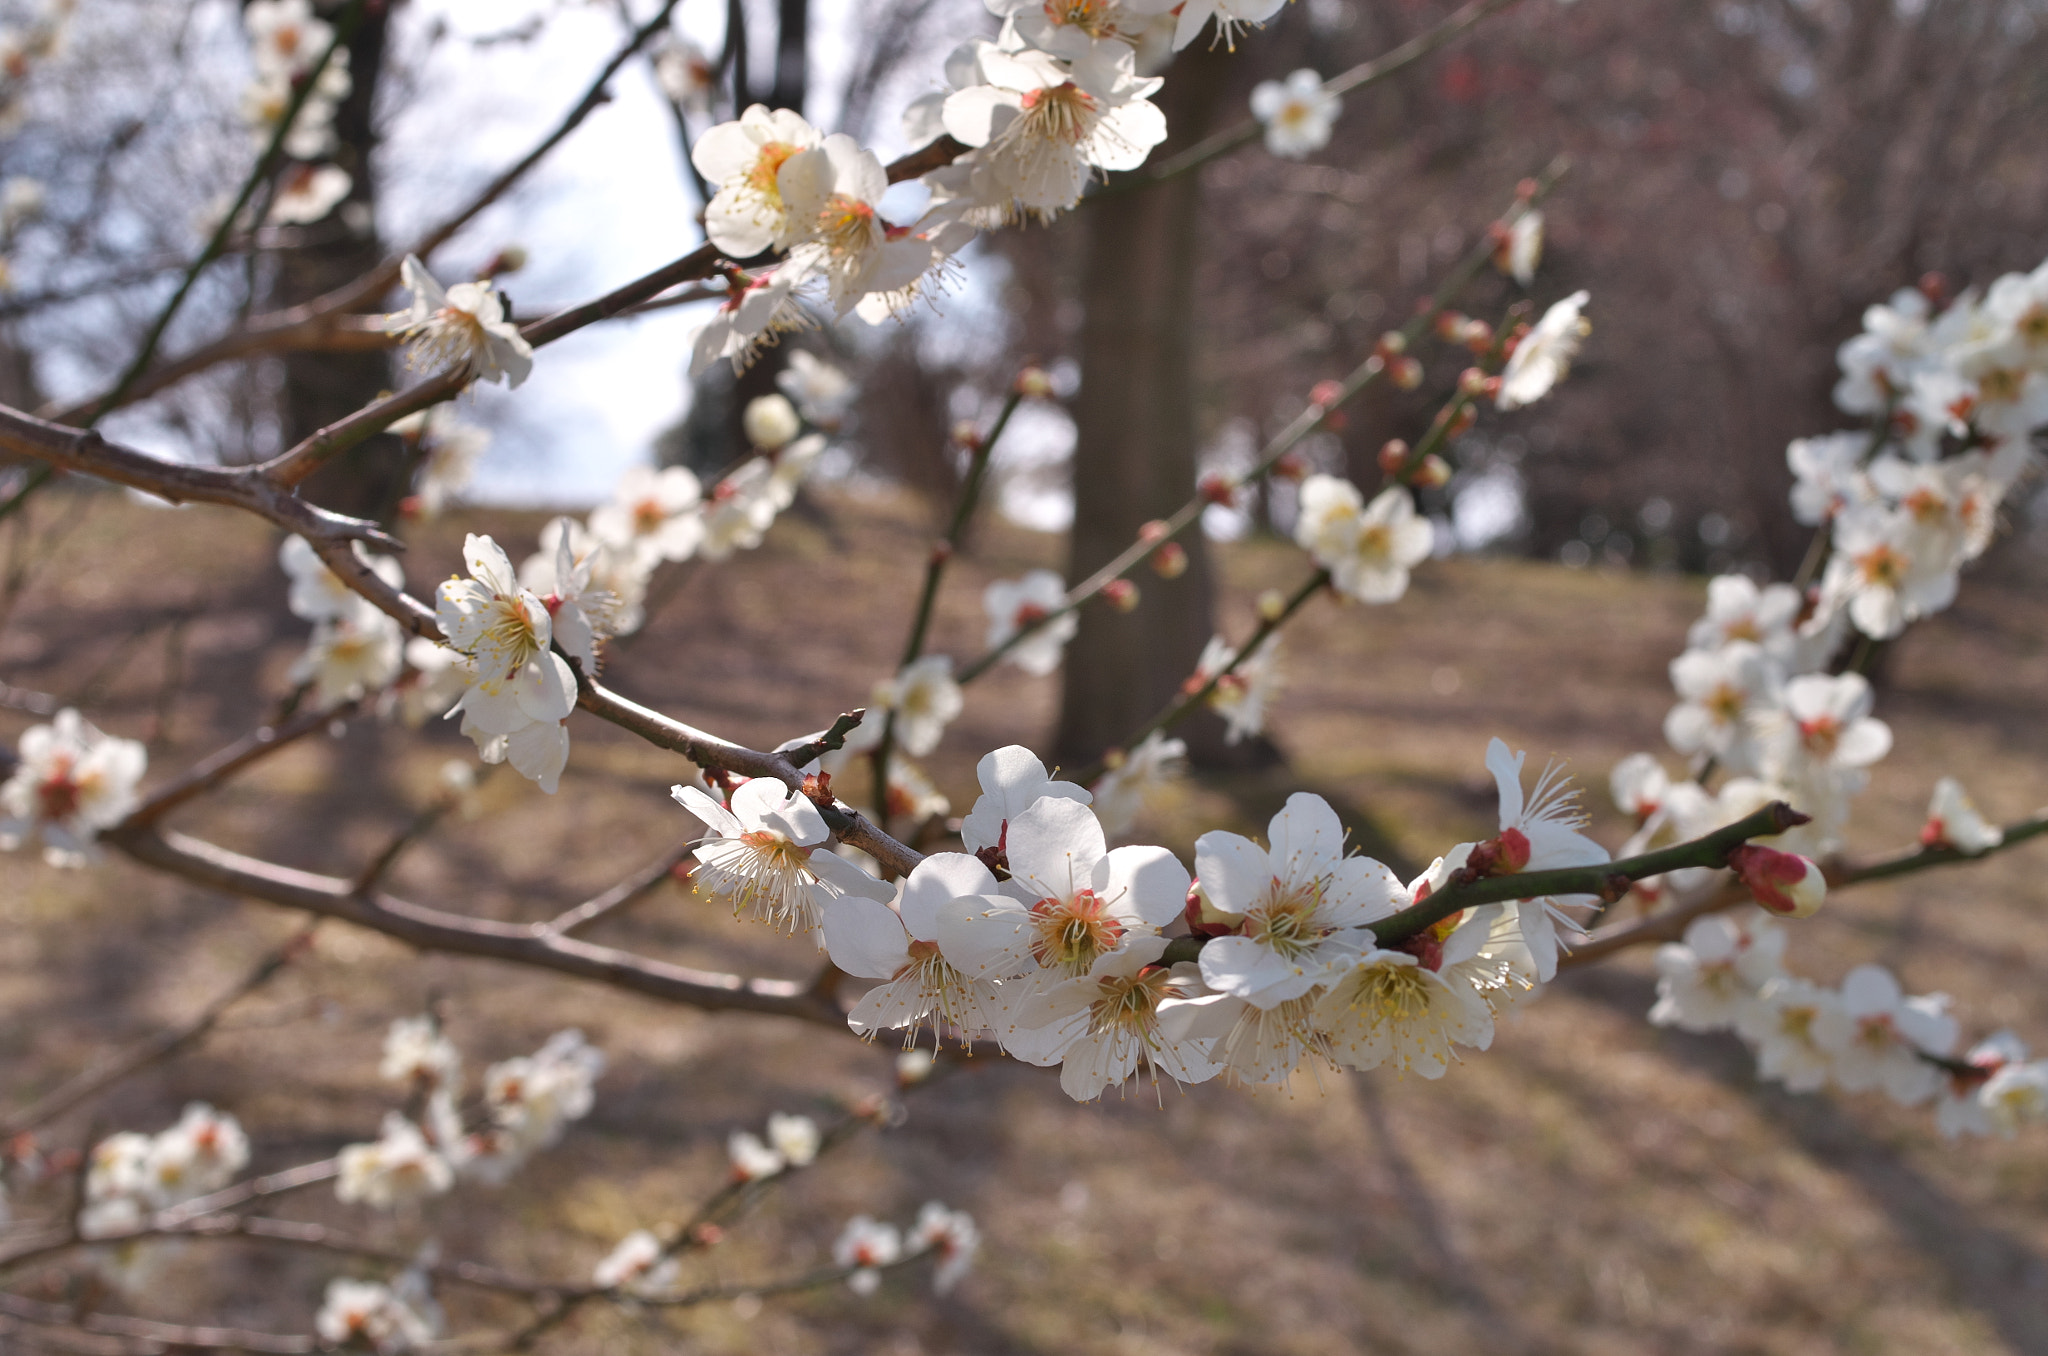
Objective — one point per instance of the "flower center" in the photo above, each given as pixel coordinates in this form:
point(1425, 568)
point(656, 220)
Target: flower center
point(1071, 933)
point(1820, 735)
point(57, 795)
point(777, 853)
point(761, 178)
point(1096, 18)
point(1063, 113)
point(511, 639)
point(1727, 703)
point(1797, 1023)
point(1129, 1002)
point(2001, 383)
point(846, 225)
point(1390, 992)
point(1286, 922)
point(1882, 566)
point(1926, 505)
point(647, 516)
point(1030, 614)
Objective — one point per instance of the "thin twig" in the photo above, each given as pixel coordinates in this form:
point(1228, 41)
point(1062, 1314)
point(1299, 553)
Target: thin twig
point(633, 887)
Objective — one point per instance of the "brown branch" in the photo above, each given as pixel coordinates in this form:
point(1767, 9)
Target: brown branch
point(633, 887)
point(163, 1045)
point(435, 930)
point(252, 748)
point(1919, 859)
point(165, 1335)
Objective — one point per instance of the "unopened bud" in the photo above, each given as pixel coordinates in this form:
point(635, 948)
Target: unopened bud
point(1450, 325)
point(1170, 561)
point(1433, 474)
point(1121, 594)
point(1291, 466)
point(1034, 383)
point(770, 422)
point(967, 434)
point(411, 507)
point(1471, 382)
point(1391, 343)
point(1784, 883)
point(1406, 372)
point(913, 1067)
point(1272, 604)
point(510, 259)
point(706, 1235)
point(1478, 336)
point(1393, 456)
point(1502, 856)
point(1217, 488)
point(1156, 530)
point(1462, 421)
point(1526, 189)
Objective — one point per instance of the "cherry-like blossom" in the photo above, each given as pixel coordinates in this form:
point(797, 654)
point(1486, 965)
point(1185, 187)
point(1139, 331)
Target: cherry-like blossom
point(951, 1235)
point(1877, 1035)
point(1737, 609)
point(1297, 113)
point(1412, 1008)
point(1367, 548)
point(1954, 821)
point(317, 592)
point(652, 514)
point(359, 1314)
point(900, 947)
point(866, 1246)
point(639, 1266)
point(1721, 693)
point(1109, 1027)
point(70, 783)
point(763, 856)
point(354, 652)
point(418, 1054)
point(1544, 355)
point(822, 392)
point(744, 159)
point(1783, 1023)
point(1708, 980)
point(518, 682)
point(1014, 604)
point(1242, 695)
point(461, 328)
point(1299, 906)
point(399, 1167)
point(924, 698)
point(833, 194)
point(1012, 779)
point(1134, 779)
point(1539, 832)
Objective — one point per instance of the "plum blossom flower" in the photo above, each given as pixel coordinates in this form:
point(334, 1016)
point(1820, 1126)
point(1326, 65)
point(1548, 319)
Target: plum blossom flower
point(755, 313)
point(418, 1054)
point(866, 1247)
point(796, 1138)
point(1827, 475)
point(200, 1154)
point(1739, 610)
point(652, 513)
point(399, 1167)
point(1539, 832)
point(763, 856)
point(530, 1100)
point(900, 947)
point(595, 591)
point(1109, 1027)
point(1367, 548)
point(520, 690)
point(1959, 1106)
point(952, 1236)
point(1639, 784)
point(1721, 692)
point(356, 651)
point(821, 391)
point(1070, 902)
point(1881, 575)
point(306, 193)
point(1297, 114)
point(639, 1266)
point(1230, 15)
point(1300, 906)
point(832, 195)
point(1047, 125)
point(924, 698)
point(1544, 355)
point(2015, 1096)
point(448, 461)
point(462, 328)
point(1822, 737)
point(687, 74)
point(1707, 981)
point(1411, 1008)
point(1953, 821)
point(1014, 604)
point(1783, 1024)
point(1877, 1036)
point(1012, 779)
point(1242, 695)
point(747, 214)
point(1134, 778)
point(368, 1314)
point(752, 1159)
point(70, 783)
point(1521, 248)
point(317, 592)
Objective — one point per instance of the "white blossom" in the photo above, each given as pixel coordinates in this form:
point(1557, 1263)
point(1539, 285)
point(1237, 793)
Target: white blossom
point(638, 1266)
point(763, 856)
point(1012, 778)
point(1877, 1036)
point(652, 513)
point(900, 947)
point(1014, 604)
point(1954, 821)
point(866, 1246)
point(462, 328)
point(399, 1167)
point(318, 593)
point(71, 782)
point(418, 1054)
point(952, 1236)
point(1134, 779)
point(924, 698)
point(365, 1313)
point(1242, 695)
point(1297, 113)
point(1367, 548)
point(1543, 355)
point(747, 214)
point(822, 392)
point(1706, 982)
point(354, 652)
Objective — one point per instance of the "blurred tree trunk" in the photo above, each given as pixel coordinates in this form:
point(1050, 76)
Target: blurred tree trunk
point(1134, 459)
point(320, 388)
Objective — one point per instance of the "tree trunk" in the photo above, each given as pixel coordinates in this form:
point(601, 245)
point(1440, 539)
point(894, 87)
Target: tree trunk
point(1134, 458)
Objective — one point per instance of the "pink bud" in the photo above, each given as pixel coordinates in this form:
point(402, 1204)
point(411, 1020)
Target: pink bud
point(1121, 594)
point(1170, 561)
point(1783, 882)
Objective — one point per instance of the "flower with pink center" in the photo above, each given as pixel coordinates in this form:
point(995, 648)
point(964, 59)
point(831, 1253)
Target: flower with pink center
point(1105, 1026)
point(1015, 605)
point(1242, 695)
point(1538, 832)
point(1960, 1107)
point(1827, 475)
point(1070, 901)
point(1783, 1025)
point(1261, 1046)
point(1738, 610)
point(70, 783)
point(653, 514)
point(747, 214)
point(865, 1247)
point(832, 194)
point(755, 314)
point(1300, 905)
point(764, 857)
point(1882, 575)
point(1720, 692)
point(1878, 1034)
point(949, 1235)
point(1953, 821)
point(1823, 736)
point(900, 946)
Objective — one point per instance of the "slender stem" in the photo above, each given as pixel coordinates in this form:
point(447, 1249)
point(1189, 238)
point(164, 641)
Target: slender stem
point(252, 748)
point(1184, 705)
point(1919, 859)
point(344, 29)
point(934, 571)
point(1303, 424)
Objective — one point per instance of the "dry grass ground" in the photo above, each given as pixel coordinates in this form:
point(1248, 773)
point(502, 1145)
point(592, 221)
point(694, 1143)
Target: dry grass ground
point(1591, 1185)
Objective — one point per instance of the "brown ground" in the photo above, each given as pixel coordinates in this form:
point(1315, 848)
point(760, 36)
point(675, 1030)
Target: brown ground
point(1591, 1185)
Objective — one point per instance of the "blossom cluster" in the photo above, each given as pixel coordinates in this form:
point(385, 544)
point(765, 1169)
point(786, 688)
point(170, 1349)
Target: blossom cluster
point(131, 1176)
point(285, 40)
point(527, 1103)
point(1955, 397)
point(1728, 975)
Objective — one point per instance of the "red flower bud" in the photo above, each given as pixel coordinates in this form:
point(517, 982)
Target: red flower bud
point(1782, 882)
point(1121, 594)
point(1325, 393)
point(1170, 561)
point(1393, 456)
point(1217, 488)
